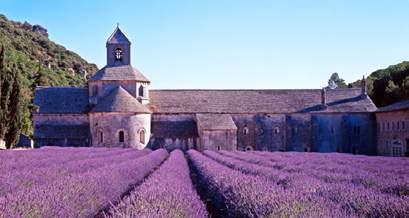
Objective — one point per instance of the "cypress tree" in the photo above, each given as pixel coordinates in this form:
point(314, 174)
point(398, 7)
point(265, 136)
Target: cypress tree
point(15, 110)
point(4, 94)
point(2, 124)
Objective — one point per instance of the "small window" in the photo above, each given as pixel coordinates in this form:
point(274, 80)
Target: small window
point(276, 130)
point(142, 136)
point(249, 148)
point(245, 130)
point(332, 130)
point(141, 91)
point(121, 135)
point(219, 147)
point(403, 125)
point(388, 126)
point(101, 136)
point(118, 54)
point(398, 125)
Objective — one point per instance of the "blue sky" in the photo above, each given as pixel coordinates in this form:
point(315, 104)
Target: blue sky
point(232, 43)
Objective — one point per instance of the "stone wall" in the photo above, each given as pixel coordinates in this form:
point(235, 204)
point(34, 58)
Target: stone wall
point(126, 52)
point(106, 128)
point(359, 133)
point(261, 132)
point(299, 132)
point(393, 133)
point(344, 132)
point(98, 89)
point(246, 131)
point(61, 130)
point(173, 132)
point(327, 133)
point(218, 140)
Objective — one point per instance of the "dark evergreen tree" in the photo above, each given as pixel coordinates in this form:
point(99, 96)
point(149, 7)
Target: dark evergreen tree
point(4, 94)
point(14, 116)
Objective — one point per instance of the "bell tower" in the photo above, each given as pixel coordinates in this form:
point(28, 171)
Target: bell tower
point(118, 49)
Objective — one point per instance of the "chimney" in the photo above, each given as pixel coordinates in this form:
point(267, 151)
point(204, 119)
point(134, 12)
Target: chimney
point(323, 98)
point(364, 92)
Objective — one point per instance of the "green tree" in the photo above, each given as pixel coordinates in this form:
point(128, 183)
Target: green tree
point(392, 93)
point(337, 80)
point(6, 89)
point(14, 116)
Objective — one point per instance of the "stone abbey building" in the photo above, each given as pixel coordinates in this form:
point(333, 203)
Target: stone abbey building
point(117, 108)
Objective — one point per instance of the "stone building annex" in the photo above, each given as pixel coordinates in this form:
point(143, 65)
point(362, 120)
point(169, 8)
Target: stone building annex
point(117, 108)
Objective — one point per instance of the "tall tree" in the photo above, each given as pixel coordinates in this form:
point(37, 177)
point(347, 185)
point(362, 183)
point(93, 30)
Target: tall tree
point(15, 110)
point(339, 82)
point(4, 93)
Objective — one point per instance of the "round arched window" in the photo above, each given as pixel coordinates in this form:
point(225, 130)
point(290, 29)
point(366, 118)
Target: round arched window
point(142, 136)
point(118, 54)
point(121, 136)
point(245, 130)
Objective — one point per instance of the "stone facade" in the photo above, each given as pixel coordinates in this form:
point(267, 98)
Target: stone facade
point(118, 109)
point(393, 130)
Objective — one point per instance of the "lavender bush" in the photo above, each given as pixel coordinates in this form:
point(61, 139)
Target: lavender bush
point(240, 195)
point(26, 178)
point(82, 194)
point(367, 193)
point(168, 192)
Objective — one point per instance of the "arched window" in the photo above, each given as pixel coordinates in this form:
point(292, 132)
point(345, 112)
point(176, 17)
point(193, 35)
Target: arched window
point(245, 130)
point(141, 91)
point(118, 54)
point(142, 136)
point(121, 136)
point(219, 147)
point(276, 130)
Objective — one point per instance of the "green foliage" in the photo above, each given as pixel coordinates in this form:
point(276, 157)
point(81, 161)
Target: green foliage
point(11, 107)
point(337, 80)
point(40, 62)
point(390, 85)
point(15, 110)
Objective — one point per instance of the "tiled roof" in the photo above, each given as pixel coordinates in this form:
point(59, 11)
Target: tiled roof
point(402, 105)
point(61, 99)
point(75, 100)
point(124, 72)
point(61, 131)
point(119, 100)
point(258, 101)
point(118, 37)
point(215, 122)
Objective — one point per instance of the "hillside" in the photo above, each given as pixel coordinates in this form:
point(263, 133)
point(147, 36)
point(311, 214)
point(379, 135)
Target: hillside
point(390, 85)
point(39, 58)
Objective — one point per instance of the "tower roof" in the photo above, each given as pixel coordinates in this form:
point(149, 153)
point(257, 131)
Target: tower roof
point(125, 72)
point(118, 37)
point(119, 100)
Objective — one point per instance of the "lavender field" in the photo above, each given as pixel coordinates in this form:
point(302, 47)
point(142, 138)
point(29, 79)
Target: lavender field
point(113, 182)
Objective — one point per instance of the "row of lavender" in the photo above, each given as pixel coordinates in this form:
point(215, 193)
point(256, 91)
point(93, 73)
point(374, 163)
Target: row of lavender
point(308, 185)
point(67, 182)
point(168, 192)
